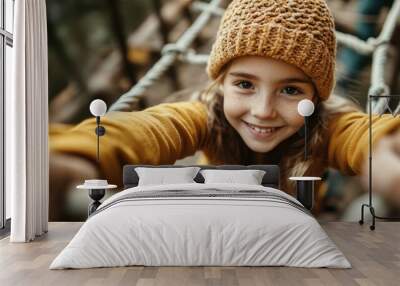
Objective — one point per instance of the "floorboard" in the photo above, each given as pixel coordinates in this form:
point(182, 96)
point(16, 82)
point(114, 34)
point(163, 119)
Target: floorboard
point(374, 255)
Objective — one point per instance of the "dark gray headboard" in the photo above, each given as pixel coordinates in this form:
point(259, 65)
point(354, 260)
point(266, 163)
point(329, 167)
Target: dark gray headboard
point(270, 179)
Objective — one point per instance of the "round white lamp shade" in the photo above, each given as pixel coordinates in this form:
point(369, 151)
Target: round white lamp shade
point(98, 107)
point(305, 107)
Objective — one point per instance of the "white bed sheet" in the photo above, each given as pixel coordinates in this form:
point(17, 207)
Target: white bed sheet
point(200, 231)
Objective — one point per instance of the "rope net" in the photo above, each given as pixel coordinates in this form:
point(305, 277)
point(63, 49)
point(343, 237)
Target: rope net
point(375, 47)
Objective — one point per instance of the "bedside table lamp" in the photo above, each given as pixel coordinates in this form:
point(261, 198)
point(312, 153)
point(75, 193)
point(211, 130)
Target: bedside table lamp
point(305, 108)
point(305, 185)
point(98, 108)
point(96, 187)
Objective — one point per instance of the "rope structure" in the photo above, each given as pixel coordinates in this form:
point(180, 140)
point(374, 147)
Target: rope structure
point(170, 54)
point(377, 47)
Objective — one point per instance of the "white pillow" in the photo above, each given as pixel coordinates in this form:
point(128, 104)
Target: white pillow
point(162, 176)
point(249, 177)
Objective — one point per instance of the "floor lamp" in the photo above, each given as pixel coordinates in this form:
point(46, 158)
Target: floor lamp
point(369, 205)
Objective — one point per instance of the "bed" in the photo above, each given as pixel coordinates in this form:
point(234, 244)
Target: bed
point(201, 224)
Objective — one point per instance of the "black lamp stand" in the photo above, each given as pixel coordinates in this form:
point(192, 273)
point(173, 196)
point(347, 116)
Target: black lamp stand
point(369, 205)
point(100, 131)
point(96, 195)
point(305, 136)
point(305, 193)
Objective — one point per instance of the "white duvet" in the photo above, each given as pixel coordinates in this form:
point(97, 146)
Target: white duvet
point(183, 231)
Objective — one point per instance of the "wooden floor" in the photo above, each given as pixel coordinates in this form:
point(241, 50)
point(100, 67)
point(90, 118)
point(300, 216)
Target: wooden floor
point(374, 255)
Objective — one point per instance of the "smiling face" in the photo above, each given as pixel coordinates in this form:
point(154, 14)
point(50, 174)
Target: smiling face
point(260, 100)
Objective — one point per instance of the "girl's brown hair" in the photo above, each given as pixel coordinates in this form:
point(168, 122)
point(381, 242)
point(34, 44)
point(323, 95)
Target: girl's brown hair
point(227, 146)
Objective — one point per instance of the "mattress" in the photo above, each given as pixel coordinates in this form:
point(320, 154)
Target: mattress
point(201, 225)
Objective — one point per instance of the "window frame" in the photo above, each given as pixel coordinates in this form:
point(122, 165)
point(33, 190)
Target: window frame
point(6, 39)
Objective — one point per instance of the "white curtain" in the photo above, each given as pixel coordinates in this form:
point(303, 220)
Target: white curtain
point(27, 124)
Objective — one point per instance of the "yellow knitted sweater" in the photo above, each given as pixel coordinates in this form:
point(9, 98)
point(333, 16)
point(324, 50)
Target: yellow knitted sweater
point(167, 132)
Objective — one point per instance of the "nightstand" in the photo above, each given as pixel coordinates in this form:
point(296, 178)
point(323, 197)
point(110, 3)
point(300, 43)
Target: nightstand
point(305, 190)
point(96, 193)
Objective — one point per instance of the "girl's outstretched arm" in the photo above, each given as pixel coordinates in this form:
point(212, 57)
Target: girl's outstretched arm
point(348, 148)
point(348, 140)
point(157, 135)
point(385, 168)
point(160, 134)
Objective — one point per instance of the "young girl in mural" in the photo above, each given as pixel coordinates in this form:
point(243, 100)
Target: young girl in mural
point(268, 55)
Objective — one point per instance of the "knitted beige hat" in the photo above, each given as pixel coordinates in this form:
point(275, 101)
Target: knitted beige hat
point(298, 32)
